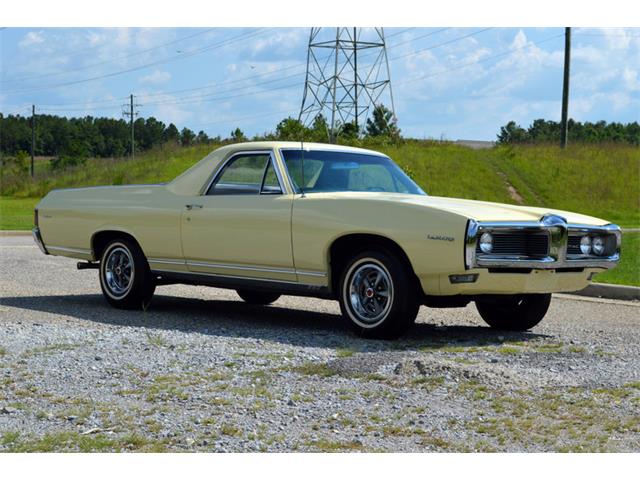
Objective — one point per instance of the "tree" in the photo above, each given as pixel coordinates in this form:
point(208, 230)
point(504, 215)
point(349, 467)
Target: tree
point(383, 124)
point(202, 137)
point(171, 134)
point(291, 129)
point(319, 131)
point(238, 135)
point(348, 131)
point(150, 133)
point(512, 133)
point(187, 137)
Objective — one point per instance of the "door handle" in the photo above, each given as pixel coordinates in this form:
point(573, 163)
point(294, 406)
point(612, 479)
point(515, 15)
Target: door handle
point(191, 206)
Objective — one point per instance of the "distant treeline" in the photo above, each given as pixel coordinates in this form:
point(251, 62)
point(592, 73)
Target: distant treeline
point(71, 139)
point(548, 131)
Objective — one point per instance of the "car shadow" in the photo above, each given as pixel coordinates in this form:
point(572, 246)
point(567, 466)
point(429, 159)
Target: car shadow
point(275, 323)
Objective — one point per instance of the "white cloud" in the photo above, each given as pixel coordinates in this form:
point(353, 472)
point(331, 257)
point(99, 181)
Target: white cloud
point(30, 39)
point(156, 77)
point(631, 80)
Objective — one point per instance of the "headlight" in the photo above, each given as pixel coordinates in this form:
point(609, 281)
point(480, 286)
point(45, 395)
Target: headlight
point(598, 245)
point(486, 242)
point(585, 245)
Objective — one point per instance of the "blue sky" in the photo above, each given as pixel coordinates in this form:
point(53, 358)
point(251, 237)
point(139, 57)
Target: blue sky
point(448, 83)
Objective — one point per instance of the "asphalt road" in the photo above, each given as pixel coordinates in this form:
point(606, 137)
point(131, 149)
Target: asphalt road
point(202, 371)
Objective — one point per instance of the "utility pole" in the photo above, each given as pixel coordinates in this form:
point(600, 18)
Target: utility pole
point(564, 122)
point(133, 143)
point(128, 111)
point(33, 139)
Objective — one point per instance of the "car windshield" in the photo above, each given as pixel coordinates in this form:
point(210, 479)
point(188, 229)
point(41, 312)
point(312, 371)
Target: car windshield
point(333, 171)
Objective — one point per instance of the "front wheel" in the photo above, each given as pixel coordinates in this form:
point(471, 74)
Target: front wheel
point(378, 295)
point(125, 278)
point(515, 312)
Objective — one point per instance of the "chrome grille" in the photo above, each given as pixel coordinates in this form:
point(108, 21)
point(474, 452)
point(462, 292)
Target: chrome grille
point(521, 244)
point(573, 246)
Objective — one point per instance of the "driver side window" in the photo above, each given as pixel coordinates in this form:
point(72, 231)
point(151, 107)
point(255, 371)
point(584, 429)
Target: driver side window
point(249, 174)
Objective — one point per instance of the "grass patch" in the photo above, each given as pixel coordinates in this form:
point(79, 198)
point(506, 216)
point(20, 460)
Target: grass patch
point(52, 348)
point(628, 270)
point(75, 442)
point(569, 420)
point(312, 368)
point(156, 339)
point(345, 352)
point(17, 213)
point(326, 445)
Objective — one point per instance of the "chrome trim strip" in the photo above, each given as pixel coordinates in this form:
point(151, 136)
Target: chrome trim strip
point(362, 151)
point(228, 266)
point(307, 273)
point(235, 276)
point(70, 250)
point(168, 262)
point(240, 267)
point(224, 163)
point(558, 229)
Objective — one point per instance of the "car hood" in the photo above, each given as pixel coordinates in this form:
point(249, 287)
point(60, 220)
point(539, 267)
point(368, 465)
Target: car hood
point(473, 209)
point(499, 212)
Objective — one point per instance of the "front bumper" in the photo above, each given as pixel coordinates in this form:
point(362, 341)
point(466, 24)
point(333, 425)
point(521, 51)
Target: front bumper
point(506, 282)
point(557, 257)
point(38, 239)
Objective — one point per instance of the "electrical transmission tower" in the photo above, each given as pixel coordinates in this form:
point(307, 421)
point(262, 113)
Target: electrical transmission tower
point(347, 75)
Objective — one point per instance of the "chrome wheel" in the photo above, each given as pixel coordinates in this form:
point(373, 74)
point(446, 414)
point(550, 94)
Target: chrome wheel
point(370, 293)
point(118, 271)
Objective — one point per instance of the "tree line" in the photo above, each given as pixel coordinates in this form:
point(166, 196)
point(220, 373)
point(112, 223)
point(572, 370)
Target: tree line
point(71, 141)
point(548, 131)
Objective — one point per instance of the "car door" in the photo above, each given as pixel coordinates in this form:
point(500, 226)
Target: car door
point(241, 226)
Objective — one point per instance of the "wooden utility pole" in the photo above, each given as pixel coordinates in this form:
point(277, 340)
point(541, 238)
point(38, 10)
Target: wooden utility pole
point(33, 139)
point(132, 135)
point(564, 123)
point(127, 111)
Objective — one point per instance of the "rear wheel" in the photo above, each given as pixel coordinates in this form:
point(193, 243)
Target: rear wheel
point(257, 298)
point(515, 312)
point(378, 295)
point(125, 278)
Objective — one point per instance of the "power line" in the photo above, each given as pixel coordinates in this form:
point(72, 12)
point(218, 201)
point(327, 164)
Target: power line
point(453, 40)
point(234, 81)
point(216, 96)
point(187, 54)
point(622, 35)
point(111, 60)
point(246, 117)
point(482, 60)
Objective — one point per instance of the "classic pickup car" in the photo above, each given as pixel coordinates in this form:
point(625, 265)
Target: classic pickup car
point(273, 218)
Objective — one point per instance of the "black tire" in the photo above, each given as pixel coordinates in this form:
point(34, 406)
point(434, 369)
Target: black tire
point(135, 293)
point(257, 298)
point(368, 313)
point(517, 313)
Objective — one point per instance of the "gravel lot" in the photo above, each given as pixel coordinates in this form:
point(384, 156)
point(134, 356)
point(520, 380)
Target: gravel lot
point(202, 371)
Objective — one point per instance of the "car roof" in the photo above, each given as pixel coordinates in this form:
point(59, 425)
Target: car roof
point(277, 145)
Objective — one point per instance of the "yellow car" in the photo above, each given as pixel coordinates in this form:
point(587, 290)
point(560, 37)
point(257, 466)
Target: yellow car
point(273, 218)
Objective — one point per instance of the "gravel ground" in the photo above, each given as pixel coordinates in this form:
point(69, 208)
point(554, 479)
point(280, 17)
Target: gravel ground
point(202, 371)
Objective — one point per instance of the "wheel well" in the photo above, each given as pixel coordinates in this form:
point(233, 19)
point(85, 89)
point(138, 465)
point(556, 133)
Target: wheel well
point(343, 248)
point(100, 240)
